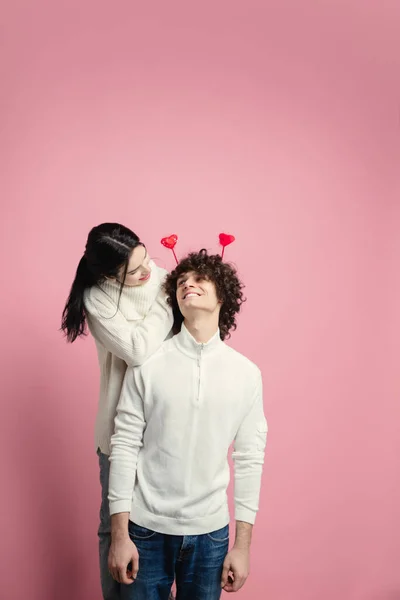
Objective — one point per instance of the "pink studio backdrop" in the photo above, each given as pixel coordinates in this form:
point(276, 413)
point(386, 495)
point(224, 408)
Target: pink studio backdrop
point(276, 121)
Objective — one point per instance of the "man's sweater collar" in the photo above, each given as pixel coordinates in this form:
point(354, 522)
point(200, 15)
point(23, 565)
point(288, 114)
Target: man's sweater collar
point(186, 343)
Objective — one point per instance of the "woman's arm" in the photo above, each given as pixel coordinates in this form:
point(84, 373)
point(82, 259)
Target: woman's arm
point(135, 341)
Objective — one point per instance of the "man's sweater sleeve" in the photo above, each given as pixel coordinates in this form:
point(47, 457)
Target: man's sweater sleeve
point(126, 443)
point(248, 456)
point(133, 342)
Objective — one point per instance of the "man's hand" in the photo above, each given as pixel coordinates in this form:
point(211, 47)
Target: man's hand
point(123, 560)
point(235, 570)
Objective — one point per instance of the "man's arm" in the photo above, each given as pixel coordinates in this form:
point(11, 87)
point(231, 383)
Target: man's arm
point(248, 455)
point(123, 551)
point(237, 561)
point(125, 446)
point(243, 535)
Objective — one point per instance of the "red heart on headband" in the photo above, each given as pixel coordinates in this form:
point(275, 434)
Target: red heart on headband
point(170, 242)
point(225, 239)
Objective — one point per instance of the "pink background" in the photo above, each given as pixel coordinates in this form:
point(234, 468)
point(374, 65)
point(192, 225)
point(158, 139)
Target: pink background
point(277, 121)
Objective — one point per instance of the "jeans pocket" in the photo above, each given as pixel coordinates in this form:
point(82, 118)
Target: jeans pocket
point(137, 532)
point(220, 535)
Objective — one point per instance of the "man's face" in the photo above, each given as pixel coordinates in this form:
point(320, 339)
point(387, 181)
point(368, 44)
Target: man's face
point(194, 293)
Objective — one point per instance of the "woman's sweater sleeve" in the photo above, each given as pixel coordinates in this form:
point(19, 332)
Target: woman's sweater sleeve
point(132, 341)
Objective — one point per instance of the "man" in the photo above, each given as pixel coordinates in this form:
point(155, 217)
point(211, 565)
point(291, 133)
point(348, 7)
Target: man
point(177, 417)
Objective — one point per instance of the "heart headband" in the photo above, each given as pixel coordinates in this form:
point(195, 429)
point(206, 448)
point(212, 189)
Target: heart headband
point(170, 242)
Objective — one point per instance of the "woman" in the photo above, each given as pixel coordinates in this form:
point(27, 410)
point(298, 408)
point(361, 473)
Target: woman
point(117, 293)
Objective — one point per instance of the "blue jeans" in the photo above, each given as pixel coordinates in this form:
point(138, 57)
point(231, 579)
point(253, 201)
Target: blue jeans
point(111, 589)
point(194, 561)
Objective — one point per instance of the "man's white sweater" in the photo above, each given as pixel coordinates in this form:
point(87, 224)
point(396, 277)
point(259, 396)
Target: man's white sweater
point(128, 327)
point(176, 419)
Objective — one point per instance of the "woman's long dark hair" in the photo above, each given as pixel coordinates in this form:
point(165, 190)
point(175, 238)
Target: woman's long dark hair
point(108, 249)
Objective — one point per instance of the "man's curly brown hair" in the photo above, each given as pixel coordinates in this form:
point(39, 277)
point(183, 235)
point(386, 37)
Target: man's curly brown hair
point(227, 284)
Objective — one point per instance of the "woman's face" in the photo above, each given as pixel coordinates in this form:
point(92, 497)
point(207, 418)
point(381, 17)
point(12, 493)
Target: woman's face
point(139, 271)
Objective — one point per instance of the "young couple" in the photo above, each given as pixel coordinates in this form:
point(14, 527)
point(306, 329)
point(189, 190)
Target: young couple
point(170, 407)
